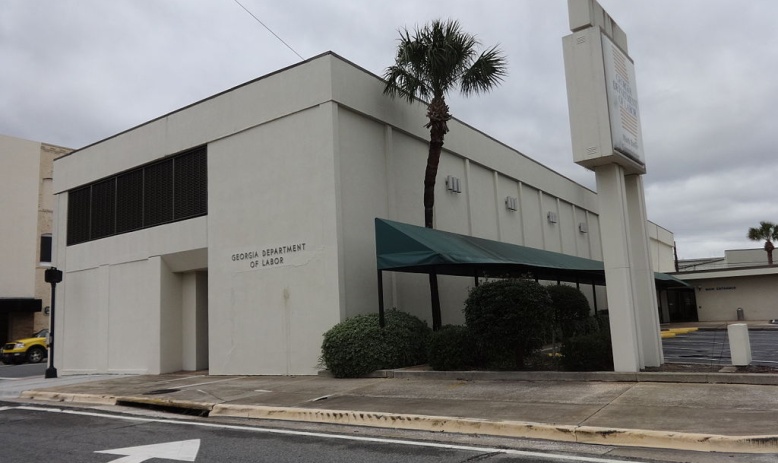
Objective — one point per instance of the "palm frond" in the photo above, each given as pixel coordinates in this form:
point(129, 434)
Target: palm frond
point(765, 231)
point(486, 72)
point(404, 84)
point(439, 56)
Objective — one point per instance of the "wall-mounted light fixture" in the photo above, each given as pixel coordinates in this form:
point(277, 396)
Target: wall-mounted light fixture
point(511, 203)
point(453, 184)
point(583, 227)
point(46, 310)
point(552, 217)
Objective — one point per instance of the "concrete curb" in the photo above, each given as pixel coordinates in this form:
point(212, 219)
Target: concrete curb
point(94, 399)
point(519, 429)
point(503, 428)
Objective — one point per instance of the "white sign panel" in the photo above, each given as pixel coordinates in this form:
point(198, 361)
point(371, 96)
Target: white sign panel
point(622, 101)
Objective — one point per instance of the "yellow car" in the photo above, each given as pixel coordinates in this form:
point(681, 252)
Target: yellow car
point(33, 349)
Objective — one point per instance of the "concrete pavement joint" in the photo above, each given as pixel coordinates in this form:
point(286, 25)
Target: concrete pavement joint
point(607, 404)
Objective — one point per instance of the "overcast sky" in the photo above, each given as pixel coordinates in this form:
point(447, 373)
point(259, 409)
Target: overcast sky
point(73, 72)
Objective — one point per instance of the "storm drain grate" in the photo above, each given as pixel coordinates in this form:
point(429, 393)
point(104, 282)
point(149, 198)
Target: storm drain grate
point(166, 407)
point(161, 391)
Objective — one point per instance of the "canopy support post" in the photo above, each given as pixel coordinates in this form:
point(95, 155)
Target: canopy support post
point(435, 296)
point(594, 297)
point(381, 320)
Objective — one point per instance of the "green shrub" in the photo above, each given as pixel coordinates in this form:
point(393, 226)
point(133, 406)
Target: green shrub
point(508, 319)
point(571, 310)
point(590, 352)
point(602, 321)
point(452, 348)
point(358, 346)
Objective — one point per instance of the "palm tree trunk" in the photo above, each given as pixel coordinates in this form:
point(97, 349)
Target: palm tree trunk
point(430, 174)
point(438, 115)
point(768, 247)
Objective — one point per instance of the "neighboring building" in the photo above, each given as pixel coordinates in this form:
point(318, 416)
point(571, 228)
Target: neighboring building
point(662, 247)
point(741, 279)
point(233, 233)
point(26, 205)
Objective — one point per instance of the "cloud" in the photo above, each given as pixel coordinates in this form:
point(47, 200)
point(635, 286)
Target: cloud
point(75, 72)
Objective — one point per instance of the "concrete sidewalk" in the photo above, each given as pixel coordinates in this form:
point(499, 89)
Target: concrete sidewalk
point(684, 411)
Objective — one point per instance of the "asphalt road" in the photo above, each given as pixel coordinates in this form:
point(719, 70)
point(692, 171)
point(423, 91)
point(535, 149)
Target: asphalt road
point(25, 370)
point(712, 348)
point(71, 435)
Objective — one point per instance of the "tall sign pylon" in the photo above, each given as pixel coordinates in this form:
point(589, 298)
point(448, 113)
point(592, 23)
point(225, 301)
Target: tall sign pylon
point(607, 138)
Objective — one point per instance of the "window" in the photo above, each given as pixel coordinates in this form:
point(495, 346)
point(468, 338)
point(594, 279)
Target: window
point(46, 248)
point(158, 193)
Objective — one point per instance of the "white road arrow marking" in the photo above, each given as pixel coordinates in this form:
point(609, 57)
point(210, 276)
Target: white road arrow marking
point(185, 450)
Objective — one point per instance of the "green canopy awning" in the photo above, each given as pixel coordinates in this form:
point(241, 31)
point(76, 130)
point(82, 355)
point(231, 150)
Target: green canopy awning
point(402, 247)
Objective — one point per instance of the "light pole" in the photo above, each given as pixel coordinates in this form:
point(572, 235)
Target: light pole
point(52, 276)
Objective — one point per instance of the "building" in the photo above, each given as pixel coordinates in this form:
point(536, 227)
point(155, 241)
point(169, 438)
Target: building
point(26, 205)
point(232, 233)
point(740, 285)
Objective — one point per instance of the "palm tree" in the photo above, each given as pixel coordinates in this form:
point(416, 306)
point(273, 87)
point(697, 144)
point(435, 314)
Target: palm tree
point(767, 231)
point(434, 60)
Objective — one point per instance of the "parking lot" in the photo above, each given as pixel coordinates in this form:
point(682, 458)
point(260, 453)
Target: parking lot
point(712, 348)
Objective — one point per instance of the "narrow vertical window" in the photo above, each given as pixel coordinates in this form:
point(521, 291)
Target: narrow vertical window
point(46, 248)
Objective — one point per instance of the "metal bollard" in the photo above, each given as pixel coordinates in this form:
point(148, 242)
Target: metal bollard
point(739, 344)
point(740, 314)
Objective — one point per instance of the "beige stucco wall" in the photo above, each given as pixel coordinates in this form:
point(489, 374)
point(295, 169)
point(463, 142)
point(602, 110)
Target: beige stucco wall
point(26, 203)
point(718, 299)
point(662, 248)
point(273, 186)
point(19, 183)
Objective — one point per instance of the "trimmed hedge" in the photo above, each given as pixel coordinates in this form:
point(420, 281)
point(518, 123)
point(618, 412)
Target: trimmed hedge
point(571, 310)
point(452, 348)
point(508, 318)
point(358, 345)
point(590, 352)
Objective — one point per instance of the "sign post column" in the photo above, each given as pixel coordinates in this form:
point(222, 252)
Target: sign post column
point(607, 138)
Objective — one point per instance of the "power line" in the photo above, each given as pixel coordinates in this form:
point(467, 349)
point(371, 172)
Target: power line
point(268, 29)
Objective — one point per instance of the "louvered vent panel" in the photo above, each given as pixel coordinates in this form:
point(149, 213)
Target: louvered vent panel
point(158, 193)
point(103, 209)
point(191, 185)
point(155, 194)
point(78, 215)
point(129, 201)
